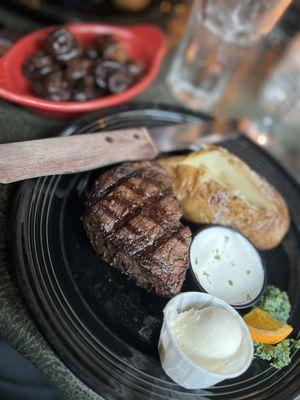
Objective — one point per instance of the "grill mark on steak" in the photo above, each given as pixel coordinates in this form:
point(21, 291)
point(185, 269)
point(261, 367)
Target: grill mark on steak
point(165, 238)
point(124, 180)
point(133, 221)
point(166, 233)
point(102, 194)
point(134, 213)
point(153, 182)
point(117, 180)
point(161, 240)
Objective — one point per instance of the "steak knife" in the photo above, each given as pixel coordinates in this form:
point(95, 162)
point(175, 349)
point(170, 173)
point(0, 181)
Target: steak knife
point(78, 153)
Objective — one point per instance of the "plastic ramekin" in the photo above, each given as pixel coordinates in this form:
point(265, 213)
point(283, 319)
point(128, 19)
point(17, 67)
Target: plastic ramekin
point(178, 366)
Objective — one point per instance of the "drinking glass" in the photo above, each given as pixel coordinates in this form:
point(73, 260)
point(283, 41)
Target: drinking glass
point(218, 36)
point(279, 97)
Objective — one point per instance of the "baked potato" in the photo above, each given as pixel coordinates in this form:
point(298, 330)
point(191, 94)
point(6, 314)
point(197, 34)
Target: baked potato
point(216, 187)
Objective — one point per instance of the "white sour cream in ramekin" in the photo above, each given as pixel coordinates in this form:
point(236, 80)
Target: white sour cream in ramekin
point(227, 265)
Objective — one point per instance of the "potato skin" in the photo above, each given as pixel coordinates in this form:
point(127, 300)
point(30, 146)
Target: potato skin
point(206, 201)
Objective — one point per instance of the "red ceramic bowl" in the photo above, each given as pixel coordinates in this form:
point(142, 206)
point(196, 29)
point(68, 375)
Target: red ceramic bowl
point(144, 42)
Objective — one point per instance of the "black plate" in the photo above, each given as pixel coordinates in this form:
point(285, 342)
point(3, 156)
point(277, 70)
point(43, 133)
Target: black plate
point(99, 323)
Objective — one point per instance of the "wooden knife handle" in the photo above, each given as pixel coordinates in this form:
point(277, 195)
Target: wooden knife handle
point(65, 155)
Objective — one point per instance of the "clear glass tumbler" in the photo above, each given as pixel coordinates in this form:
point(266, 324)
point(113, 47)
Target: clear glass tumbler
point(216, 39)
point(279, 98)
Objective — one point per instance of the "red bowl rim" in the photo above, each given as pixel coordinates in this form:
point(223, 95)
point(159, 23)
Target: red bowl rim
point(75, 106)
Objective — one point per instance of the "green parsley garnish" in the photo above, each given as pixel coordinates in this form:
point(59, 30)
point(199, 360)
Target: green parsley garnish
point(276, 302)
point(230, 282)
point(196, 260)
point(295, 343)
point(217, 257)
point(248, 272)
point(279, 355)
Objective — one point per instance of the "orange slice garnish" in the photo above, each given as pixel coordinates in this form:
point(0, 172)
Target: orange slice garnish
point(264, 328)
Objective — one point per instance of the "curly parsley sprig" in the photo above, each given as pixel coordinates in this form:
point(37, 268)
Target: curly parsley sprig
point(276, 302)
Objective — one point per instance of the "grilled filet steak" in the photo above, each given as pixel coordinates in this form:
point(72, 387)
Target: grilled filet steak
point(132, 220)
